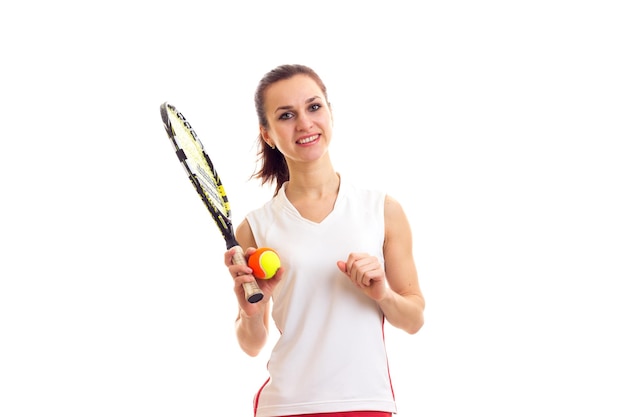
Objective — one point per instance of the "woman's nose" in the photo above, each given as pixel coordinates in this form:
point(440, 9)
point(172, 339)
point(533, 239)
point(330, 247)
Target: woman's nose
point(304, 122)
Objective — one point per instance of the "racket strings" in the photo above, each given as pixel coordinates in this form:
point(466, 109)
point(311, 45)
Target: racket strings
point(213, 191)
point(196, 161)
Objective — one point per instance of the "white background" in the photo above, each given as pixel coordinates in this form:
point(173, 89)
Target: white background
point(498, 125)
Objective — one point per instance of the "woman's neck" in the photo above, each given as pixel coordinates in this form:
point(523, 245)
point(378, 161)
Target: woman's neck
point(313, 193)
point(312, 182)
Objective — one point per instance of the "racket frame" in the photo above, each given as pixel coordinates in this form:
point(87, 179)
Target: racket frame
point(201, 183)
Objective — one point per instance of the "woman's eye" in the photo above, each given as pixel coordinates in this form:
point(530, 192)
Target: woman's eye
point(285, 116)
point(315, 107)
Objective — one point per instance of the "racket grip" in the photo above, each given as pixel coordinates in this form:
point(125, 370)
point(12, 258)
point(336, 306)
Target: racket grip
point(251, 289)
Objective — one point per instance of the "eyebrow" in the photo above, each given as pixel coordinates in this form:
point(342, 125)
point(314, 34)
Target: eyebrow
point(288, 107)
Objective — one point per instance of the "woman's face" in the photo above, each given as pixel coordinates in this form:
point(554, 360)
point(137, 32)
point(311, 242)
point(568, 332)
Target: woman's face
point(299, 119)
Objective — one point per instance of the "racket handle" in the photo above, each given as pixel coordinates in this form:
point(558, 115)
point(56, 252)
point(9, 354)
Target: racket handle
point(252, 290)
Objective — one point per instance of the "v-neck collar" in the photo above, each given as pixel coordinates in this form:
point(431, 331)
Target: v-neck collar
point(294, 211)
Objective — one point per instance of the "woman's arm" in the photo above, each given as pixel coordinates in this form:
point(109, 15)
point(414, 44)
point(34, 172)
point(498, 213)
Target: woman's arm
point(404, 305)
point(252, 322)
point(395, 288)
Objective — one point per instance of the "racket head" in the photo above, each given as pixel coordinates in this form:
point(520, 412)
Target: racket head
point(200, 169)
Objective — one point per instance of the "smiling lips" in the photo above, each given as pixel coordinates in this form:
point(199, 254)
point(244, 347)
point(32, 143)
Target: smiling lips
point(308, 139)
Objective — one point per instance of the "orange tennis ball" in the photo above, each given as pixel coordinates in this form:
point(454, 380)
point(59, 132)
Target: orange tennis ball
point(264, 263)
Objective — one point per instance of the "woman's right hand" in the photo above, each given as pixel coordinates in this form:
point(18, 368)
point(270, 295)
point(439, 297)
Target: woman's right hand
point(243, 273)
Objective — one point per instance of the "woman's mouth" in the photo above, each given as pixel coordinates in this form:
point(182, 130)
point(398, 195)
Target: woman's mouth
point(307, 139)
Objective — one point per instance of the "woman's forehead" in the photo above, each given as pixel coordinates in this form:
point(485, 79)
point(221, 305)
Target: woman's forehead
point(292, 91)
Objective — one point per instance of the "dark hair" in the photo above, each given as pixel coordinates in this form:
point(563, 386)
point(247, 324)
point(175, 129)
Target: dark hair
point(273, 164)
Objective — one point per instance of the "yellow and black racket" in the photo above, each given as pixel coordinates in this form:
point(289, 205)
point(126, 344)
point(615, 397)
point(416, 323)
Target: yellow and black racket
point(202, 174)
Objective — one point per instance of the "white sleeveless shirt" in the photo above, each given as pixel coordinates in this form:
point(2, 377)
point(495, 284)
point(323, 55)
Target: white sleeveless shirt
point(330, 355)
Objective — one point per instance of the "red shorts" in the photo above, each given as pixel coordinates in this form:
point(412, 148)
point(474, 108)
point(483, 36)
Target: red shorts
point(348, 414)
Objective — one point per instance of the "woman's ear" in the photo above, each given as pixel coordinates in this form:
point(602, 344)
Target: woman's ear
point(332, 117)
point(266, 137)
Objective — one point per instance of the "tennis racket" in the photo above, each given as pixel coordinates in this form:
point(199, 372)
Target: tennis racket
point(206, 181)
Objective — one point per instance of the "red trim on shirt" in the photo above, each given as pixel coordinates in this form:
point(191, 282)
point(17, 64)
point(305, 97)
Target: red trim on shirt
point(347, 414)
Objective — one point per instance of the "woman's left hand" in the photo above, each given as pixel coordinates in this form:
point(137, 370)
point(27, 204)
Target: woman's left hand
point(366, 273)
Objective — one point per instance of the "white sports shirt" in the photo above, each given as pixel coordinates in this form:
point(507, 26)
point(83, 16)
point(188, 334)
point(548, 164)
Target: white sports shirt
point(330, 355)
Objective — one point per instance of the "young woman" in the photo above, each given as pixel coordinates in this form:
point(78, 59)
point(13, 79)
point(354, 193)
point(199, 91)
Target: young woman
point(347, 265)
